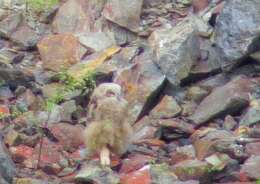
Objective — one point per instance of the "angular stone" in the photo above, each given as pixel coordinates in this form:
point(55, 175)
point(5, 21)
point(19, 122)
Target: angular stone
point(253, 148)
point(10, 24)
point(13, 138)
point(140, 83)
point(252, 115)
point(175, 128)
point(162, 174)
point(191, 169)
point(135, 162)
point(252, 167)
point(93, 173)
point(7, 167)
point(196, 93)
point(96, 41)
point(125, 13)
point(199, 5)
point(176, 50)
point(25, 37)
point(237, 30)
point(141, 176)
point(167, 108)
point(229, 123)
point(69, 136)
point(72, 17)
point(227, 99)
point(59, 52)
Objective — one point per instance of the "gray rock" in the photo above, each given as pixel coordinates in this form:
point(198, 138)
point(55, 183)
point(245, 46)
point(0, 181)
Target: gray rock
point(227, 99)
point(72, 17)
point(176, 50)
point(162, 174)
point(252, 167)
point(125, 13)
point(238, 30)
point(141, 83)
point(252, 114)
point(10, 24)
point(68, 108)
point(96, 41)
point(92, 173)
point(7, 167)
point(167, 108)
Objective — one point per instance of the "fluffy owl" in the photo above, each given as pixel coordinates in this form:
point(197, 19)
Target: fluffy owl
point(109, 130)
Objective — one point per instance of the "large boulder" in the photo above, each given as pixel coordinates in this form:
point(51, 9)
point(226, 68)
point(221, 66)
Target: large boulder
point(140, 83)
point(237, 30)
point(125, 13)
point(224, 100)
point(176, 50)
point(72, 17)
point(59, 52)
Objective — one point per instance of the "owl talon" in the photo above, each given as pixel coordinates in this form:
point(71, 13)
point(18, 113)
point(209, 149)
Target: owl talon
point(104, 156)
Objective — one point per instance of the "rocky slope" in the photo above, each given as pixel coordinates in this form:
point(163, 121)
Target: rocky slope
point(189, 70)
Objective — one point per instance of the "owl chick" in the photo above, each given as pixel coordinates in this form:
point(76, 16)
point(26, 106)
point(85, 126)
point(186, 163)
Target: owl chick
point(109, 130)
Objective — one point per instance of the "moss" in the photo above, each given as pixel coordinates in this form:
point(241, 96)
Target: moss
point(41, 5)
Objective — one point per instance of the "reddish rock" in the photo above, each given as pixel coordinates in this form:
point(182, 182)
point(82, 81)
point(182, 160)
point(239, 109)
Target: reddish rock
point(141, 176)
point(69, 136)
point(199, 5)
point(21, 153)
point(50, 158)
point(178, 157)
point(151, 142)
point(253, 148)
point(59, 52)
point(167, 108)
point(203, 148)
point(134, 162)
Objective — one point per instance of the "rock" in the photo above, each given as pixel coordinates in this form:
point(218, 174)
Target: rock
point(15, 77)
point(5, 93)
point(251, 167)
point(175, 50)
point(9, 56)
point(199, 5)
point(26, 100)
point(25, 37)
point(166, 108)
point(229, 123)
point(10, 24)
point(72, 17)
point(162, 174)
point(69, 136)
point(227, 99)
point(51, 157)
point(141, 83)
point(7, 167)
point(141, 176)
point(172, 129)
point(196, 94)
point(237, 30)
point(146, 132)
point(68, 108)
point(125, 13)
point(13, 138)
point(96, 41)
point(251, 115)
point(191, 169)
point(92, 173)
point(59, 52)
point(135, 162)
point(253, 148)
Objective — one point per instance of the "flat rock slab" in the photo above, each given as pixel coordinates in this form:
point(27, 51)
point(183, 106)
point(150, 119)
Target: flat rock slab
point(224, 100)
